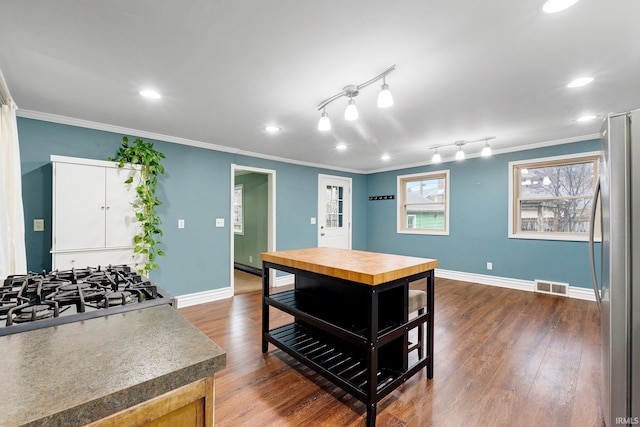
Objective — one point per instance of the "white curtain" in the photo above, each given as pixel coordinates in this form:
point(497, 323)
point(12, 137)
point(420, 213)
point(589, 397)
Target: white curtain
point(13, 257)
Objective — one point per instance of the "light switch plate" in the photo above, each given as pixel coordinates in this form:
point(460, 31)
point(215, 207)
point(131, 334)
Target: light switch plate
point(181, 223)
point(313, 220)
point(219, 222)
point(38, 225)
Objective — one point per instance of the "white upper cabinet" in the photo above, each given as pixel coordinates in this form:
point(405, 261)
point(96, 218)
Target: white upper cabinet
point(92, 212)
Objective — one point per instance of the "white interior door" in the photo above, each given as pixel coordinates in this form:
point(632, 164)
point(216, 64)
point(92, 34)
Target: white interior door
point(334, 211)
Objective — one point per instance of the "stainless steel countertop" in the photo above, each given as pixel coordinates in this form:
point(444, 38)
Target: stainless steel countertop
point(76, 373)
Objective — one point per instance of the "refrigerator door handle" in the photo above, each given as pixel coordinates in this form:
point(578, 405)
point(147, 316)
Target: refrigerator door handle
point(592, 259)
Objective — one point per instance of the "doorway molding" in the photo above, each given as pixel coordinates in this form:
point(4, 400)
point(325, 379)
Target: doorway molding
point(271, 215)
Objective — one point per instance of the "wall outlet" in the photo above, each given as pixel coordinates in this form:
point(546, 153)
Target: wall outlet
point(38, 225)
point(181, 223)
point(489, 266)
point(250, 258)
point(219, 222)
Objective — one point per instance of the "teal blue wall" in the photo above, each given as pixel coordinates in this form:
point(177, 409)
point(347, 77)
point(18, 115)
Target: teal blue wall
point(252, 241)
point(479, 223)
point(196, 188)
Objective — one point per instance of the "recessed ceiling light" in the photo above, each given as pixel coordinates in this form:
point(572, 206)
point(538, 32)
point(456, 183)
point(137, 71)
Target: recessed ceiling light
point(553, 6)
point(151, 94)
point(385, 157)
point(341, 147)
point(586, 118)
point(272, 128)
point(582, 81)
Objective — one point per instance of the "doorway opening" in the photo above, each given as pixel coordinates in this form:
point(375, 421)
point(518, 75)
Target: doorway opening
point(252, 225)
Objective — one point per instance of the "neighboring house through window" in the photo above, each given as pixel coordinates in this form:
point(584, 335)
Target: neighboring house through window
point(551, 198)
point(423, 203)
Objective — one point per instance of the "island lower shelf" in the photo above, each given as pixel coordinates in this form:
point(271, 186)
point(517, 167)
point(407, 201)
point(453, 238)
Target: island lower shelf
point(344, 366)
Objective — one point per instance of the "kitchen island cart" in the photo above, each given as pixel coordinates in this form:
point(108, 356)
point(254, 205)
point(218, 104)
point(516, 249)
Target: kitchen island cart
point(350, 317)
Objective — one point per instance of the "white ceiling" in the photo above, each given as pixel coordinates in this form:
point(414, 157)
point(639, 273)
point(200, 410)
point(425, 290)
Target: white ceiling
point(464, 70)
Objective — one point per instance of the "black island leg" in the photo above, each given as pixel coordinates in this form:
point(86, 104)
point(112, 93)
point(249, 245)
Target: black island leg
point(371, 415)
point(265, 307)
point(430, 298)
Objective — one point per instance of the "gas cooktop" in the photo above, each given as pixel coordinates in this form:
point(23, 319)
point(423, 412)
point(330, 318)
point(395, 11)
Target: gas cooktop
point(40, 300)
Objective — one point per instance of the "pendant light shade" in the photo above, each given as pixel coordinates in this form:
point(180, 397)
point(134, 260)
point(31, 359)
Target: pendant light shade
point(351, 113)
point(460, 154)
point(385, 99)
point(324, 124)
point(436, 157)
point(486, 151)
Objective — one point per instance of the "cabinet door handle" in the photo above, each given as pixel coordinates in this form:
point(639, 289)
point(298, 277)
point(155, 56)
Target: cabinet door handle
point(101, 207)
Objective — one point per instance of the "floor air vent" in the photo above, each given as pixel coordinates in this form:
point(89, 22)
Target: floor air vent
point(553, 288)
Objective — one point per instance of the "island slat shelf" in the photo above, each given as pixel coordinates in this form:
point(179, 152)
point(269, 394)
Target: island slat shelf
point(350, 315)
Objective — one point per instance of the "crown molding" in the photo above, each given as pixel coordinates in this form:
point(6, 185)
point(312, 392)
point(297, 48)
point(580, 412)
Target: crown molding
point(53, 118)
point(36, 115)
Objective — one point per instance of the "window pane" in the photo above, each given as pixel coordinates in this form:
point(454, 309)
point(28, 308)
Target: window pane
point(556, 215)
point(429, 216)
point(238, 217)
point(557, 181)
point(431, 190)
point(333, 206)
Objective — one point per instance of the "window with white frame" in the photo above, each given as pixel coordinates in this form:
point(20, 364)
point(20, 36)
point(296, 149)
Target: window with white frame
point(238, 211)
point(423, 203)
point(552, 198)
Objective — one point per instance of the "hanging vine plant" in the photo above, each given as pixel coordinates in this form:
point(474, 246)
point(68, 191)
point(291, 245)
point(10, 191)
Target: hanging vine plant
point(150, 161)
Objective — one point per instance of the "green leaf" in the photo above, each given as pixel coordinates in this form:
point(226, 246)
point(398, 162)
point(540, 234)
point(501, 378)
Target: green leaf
point(144, 154)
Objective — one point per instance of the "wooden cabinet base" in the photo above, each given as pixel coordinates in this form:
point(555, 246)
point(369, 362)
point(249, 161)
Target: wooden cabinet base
point(190, 405)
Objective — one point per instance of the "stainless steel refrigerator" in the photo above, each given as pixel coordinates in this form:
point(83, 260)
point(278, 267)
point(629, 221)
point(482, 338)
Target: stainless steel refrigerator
point(616, 275)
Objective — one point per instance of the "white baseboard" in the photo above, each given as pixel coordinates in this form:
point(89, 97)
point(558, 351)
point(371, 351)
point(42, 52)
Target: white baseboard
point(483, 279)
point(287, 279)
point(582, 293)
point(506, 282)
point(202, 297)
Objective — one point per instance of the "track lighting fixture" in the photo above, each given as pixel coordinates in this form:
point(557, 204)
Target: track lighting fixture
point(385, 99)
point(460, 154)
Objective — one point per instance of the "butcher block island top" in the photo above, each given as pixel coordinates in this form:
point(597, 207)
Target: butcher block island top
point(369, 268)
point(80, 372)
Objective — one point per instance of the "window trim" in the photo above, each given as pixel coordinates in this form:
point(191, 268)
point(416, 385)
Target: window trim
point(400, 214)
point(540, 162)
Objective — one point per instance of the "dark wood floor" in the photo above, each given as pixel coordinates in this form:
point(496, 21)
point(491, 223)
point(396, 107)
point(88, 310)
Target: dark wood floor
point(502, 358)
